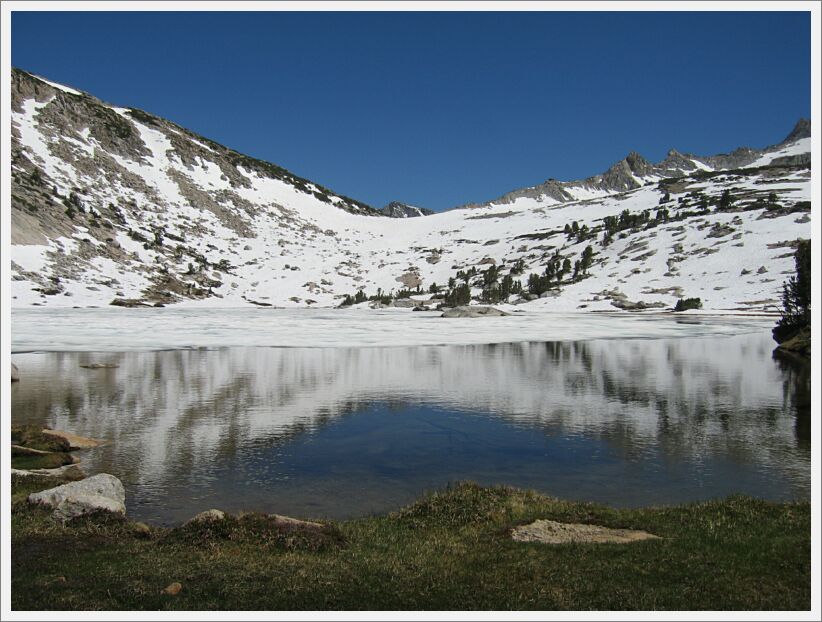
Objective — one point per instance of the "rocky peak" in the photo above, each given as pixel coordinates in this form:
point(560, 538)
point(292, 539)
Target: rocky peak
point(623, 174)
point(638, 165)
point(802, 129)
point(675, 162)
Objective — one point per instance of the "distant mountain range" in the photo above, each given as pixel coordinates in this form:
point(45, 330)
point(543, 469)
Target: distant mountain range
point(113, 205)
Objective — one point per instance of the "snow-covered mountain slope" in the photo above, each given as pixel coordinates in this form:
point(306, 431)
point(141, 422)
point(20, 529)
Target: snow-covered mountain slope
point(114, 205)
point(395, 209)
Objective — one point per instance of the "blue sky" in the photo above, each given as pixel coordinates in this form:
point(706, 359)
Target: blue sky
point(440, 109)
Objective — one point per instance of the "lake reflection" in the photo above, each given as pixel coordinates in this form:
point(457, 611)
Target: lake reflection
point(343, 432)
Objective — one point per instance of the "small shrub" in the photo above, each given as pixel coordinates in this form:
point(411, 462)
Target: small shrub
point(684, 304)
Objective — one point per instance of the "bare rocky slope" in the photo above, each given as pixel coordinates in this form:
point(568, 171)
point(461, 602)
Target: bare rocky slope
point(112, 205)
point(396, 209)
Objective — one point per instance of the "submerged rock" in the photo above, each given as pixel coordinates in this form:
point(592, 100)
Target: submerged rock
point(15, 373)
point(74, 441)
point(102, 492)
point(552, 532)
point(474, 311)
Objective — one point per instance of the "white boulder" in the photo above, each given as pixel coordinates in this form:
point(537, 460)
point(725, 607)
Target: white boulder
point(102, 492)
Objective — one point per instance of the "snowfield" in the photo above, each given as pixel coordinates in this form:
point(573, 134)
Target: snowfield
point(163, 218)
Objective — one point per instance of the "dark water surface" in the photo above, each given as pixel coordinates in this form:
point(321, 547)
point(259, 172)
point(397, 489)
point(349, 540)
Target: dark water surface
point(344, 432)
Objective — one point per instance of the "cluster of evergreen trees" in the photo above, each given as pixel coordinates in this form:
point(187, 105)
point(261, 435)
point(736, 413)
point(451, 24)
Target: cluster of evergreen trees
point(496, 289)
point(626, 220)
point(796, 296)
point(573, 231)
point(495, 286)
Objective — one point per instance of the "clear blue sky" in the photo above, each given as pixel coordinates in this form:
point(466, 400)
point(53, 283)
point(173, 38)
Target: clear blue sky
point(440, 109)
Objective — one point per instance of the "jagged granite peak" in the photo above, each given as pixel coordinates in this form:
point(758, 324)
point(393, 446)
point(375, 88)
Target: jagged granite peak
point(802, 129)
point(634, 171)
point(676, 163)
point(397, 209)
point(638, 164)
point(625, 174)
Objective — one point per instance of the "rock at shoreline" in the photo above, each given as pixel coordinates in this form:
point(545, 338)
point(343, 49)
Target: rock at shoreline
point(404, 303)
point(552, 532)
point(102, 492)
point(67, 472)
point(15, 373)
point(798, 343)
point(129, 302)
point(20, 450)
point(279, 519)
point(209, 516)
point(74, 441)
point(474, 311)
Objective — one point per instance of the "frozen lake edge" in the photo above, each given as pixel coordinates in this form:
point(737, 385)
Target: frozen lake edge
point(114, 329)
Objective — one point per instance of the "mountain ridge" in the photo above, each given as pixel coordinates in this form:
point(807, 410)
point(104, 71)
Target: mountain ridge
point(622, 175)
point(113, 205)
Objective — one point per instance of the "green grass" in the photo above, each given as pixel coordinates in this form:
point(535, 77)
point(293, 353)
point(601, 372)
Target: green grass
point(450, 550)
point(40, 461)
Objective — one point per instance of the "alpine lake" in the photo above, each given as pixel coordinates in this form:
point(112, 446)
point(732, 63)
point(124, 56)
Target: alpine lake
point(676, 409)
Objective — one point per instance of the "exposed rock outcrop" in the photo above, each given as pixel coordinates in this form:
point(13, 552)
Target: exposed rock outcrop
point(473, 311)
point(395, 209)
point(798, 343)
point(552, 532)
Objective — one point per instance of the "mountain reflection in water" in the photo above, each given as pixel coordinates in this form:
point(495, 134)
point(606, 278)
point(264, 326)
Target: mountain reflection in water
point(343, 432)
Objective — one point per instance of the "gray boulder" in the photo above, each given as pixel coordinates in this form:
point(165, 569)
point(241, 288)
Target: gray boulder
point(473, 311)
point(102, 492)
point(405, 303)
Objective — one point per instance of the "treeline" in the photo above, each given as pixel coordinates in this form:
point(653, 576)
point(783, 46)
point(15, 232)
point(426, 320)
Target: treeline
point(496, 282)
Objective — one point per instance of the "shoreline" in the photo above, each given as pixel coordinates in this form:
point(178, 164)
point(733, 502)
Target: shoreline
point(454, 549)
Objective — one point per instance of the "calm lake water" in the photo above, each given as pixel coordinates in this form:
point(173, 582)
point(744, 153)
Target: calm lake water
point(345, 432)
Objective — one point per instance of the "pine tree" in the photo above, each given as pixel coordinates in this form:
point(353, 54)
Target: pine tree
point(726, 199)
point(796, 296)
point(566, 268)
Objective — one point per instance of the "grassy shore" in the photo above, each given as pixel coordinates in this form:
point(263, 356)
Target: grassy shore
point(450, 550)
